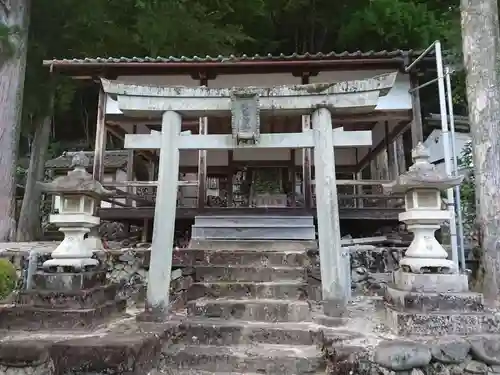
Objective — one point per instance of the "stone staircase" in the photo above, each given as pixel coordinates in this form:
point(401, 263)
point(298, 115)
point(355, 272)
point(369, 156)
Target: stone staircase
point(248, 312)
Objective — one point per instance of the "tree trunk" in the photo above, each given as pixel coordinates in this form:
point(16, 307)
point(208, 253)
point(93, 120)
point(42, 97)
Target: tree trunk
point(481, 50)
point(15, 15)
point(29, 227)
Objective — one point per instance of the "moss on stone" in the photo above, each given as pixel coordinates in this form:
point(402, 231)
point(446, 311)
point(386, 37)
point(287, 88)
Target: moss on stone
point(8, 278)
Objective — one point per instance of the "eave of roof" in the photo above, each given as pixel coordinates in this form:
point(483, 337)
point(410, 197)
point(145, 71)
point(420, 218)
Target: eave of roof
point(295, 63)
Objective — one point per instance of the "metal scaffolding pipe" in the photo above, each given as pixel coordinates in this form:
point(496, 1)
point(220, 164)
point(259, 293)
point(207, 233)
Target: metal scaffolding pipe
point(458, 205)
point(422, 55)
point(446, 149)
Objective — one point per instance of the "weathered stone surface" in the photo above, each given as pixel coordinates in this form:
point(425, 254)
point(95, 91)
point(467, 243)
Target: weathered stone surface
point(451, 351)
point(436, 323)
point(431, 282)
point(413, 301)
point(31, 318)
point(258, 274)
point(198, 257)
point(68, 281)
point(475, 367)
point(133, 354)
point(486, 350)
point(437, 369)
point(25, 353)
point(259, 310)
point(274, 289)
point(402, 355)
point(221, 332)
point(78, 299)
point(264, 358)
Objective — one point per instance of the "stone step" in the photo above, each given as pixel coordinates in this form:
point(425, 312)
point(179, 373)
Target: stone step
point(252, 245)
point(257, 274)
point(244, 359)
point(267, 232)
point(440, 323)
point(31, 318)
point(198, 257)
point(271, 289)
point(264, 310)
point(224, 220)
point(413, 301)
point(232, 332)
point(73, 299)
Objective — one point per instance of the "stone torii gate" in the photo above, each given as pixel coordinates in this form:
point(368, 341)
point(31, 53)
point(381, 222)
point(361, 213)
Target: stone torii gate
point(246, 106)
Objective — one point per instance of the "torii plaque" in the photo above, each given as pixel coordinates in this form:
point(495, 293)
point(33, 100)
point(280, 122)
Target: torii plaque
point(246, 106)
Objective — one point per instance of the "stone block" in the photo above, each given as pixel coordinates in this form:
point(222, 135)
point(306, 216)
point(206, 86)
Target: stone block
point(257, 274)
point(233, 332)
point(197, 257)
point(68, 281)
point(413, 301)
point(72, 299)
point(245, 359)
point(429, 282)
point(24, 353)
point(255, 310)
point(273, 289)
point(32, 318)
point(252, 245)
point(438, 323)
point(113, 353)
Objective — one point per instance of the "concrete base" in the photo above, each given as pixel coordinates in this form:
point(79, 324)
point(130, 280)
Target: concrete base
point(441, 323)
point(429, 282)
point(411, 301)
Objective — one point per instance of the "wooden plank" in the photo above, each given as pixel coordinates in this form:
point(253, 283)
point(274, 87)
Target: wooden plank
point(226, 142)
point(140, 213)
point(100, 138)
point(365, 240)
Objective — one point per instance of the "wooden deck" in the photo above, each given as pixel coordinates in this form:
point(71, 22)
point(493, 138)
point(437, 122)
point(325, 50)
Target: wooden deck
point(367, 213)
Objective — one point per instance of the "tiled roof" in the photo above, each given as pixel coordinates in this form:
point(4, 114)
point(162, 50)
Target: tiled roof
point(112, 159)
point(242, 58)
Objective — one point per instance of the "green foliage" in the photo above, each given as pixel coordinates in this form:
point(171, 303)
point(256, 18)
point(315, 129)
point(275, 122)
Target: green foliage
point(8, 278)
point(391, 24)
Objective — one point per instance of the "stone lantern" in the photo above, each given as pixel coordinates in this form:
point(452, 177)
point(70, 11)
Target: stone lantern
point(422, 185)
point(428, 295)
point(79, 194)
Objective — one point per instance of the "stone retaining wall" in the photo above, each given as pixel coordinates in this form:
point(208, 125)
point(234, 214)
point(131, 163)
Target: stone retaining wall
point(446, 356)
point(127, 267)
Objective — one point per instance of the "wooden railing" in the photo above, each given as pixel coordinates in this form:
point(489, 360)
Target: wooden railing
point(351, 194)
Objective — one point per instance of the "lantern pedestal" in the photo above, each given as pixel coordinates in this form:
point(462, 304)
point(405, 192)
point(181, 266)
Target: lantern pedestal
point(74, 251)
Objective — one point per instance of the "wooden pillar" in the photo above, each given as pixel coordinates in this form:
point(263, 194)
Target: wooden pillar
point(400, 154)
point(306, 157)
point(333, 262)
point(100, 139)
point(130, 168)
point(202, 159)
point(359, 188)
point(230, 174)
point(165, 209)
point(202, 166)
point(292, 180)
point(417, 132)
